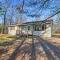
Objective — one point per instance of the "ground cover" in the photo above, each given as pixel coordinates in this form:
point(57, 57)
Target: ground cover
point(6, 39)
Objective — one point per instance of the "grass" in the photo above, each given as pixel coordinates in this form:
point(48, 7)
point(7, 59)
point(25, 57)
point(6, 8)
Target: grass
point(6, 39)
point(56, 35)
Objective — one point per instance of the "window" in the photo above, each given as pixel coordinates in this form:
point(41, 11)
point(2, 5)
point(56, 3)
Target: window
point(37, 28)
point(43, 27)
point(40, 27)
point(28, 27)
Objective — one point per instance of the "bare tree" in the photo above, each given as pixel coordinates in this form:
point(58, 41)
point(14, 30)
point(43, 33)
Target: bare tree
point(20, 9)
point(5, 6)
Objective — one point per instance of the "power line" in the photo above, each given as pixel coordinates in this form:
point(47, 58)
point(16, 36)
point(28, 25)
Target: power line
point(53, 14)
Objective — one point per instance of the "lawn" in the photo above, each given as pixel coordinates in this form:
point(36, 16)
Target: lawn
point(56, 35)
point(6, 39)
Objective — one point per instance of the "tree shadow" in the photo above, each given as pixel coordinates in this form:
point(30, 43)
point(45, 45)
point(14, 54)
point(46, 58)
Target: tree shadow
point(33, 53)
point(27, 51)
point(24, 49)
point(13, 56)
point(48, 47)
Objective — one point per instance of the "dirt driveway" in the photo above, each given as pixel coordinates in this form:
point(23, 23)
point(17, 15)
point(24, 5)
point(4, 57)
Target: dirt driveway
point(36, 49)
point(54, 40)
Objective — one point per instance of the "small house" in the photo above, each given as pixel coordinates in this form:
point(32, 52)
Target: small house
point(38, 28)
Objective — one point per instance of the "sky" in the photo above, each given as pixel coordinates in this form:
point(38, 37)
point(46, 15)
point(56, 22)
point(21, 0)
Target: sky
point(44, 12)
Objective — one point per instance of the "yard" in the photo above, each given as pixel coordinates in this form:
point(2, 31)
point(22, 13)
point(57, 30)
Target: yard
point(6, 39)
point(27, 43)
point(55, 39)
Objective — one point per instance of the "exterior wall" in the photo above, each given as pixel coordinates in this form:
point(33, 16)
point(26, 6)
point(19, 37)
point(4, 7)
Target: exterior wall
point(12, 32)
point(24, 29)
point(45, 33)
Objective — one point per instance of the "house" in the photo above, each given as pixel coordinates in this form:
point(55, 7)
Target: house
point(39, 28)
